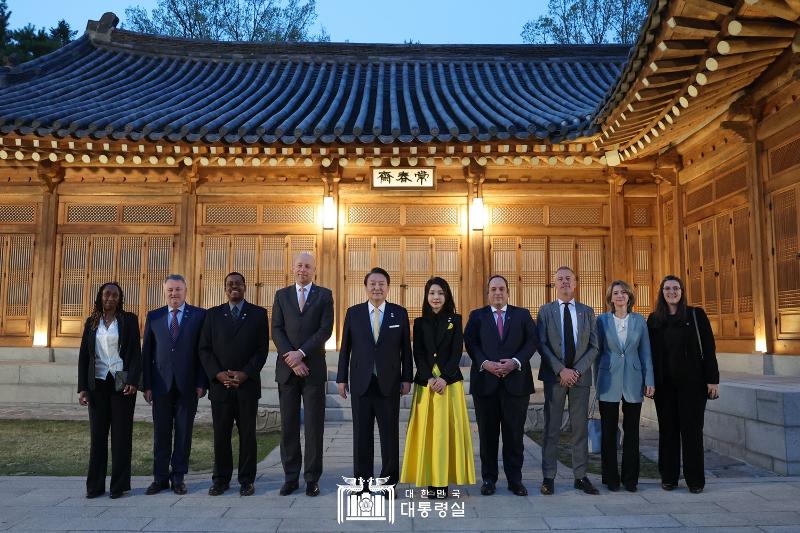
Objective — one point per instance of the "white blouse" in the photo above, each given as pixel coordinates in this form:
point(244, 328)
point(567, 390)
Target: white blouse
point(621, 325)
point(106, 358)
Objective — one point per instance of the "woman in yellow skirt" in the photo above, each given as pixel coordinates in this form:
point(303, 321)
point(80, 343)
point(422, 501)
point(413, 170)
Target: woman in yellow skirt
point(438, 448)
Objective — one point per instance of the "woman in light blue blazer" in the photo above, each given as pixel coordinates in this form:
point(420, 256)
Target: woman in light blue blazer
point(624, 372)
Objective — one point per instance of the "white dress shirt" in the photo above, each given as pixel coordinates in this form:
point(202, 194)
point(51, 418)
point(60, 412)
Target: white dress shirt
point(373, 309)
point(181, 309)
point(494, 315)
point(621, 325)
point(297, 288)
point(106, 352)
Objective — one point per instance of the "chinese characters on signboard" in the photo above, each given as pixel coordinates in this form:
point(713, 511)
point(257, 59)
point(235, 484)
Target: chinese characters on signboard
point(403, 178)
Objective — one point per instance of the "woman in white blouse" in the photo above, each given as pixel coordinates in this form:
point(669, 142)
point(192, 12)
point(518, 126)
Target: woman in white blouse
point(624, 372)
point(109, 367)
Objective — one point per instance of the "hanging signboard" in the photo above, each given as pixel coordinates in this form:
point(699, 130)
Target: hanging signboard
point(404, 178)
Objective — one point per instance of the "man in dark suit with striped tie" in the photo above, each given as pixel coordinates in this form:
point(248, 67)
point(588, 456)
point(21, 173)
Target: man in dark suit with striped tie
point(501, 339)
point(302, 320)
point(173, 382)
point(375, 358)
point(233, 348)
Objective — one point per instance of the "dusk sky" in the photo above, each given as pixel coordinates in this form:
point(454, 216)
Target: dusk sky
point(426, 21)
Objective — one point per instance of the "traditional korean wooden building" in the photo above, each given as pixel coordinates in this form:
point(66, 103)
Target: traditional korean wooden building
point(126, 156)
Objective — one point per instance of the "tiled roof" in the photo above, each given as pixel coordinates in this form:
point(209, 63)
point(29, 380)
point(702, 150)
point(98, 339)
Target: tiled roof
point(134, 86)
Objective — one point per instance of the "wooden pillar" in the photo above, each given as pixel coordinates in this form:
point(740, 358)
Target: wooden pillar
point(678, 261)
point(186, 244)
point(327, 263)
point(475, 271)
point(763, 315)
point(43, 288)
point(660, 267)
point(619, 257)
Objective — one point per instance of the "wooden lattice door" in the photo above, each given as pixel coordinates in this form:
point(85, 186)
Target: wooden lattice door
point(410, 262)
point(138, 263)
point(16, 274)
point(530, 264)
point(785, 208)
point(264, 261)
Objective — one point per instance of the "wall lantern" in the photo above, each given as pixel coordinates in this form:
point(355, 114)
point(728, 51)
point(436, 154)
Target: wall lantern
point(328, 213)
point(478, 215)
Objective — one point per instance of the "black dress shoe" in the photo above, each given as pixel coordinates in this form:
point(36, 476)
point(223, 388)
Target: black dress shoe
point(312, 488)
point(695, 490)
point(668, 486)
point(289, 487)
point(179, 488)
point(631, 487)
point(518, 489)
point(613, 487)
point(247, 489)
point(487, 489)
point(548, 486)
point(115, 495)
point(218, 489)
point(92, 495)
point(156, 487)
point(586, 486)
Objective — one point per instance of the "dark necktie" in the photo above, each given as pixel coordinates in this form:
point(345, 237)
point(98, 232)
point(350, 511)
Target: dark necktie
point(569, 339)
point(174, 327)
point(499, 313)
point(235, 313)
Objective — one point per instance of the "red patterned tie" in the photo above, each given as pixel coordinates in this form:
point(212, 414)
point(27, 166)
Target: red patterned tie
point(174, 328)
point(500, 322)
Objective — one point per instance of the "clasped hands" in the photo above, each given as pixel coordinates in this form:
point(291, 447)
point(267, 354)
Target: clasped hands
point(295, 361)
point(437, 385)
point(568, 377)
point(500, 368)
point(231, 378)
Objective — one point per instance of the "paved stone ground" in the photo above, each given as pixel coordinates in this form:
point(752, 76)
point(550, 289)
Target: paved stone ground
point(751, 502)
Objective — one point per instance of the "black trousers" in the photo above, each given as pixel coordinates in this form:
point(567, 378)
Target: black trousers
point(496, 413)
point(609, 420)
point(681, 412)
point(173, 420)
point(243, 411)
point(313, 398)
point(112, 410)
point(367, 409)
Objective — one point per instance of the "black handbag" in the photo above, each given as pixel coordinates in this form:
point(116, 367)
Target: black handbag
point(120, 379)
point(700, 342)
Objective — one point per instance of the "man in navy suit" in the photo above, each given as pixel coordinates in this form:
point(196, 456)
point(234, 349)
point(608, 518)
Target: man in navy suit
point(234, 344)
point(173, 382)
point(302, 320)
point(375, 358)
point(500, 340)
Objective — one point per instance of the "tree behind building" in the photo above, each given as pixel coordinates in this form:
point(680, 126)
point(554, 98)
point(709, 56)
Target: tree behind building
point(587, 22)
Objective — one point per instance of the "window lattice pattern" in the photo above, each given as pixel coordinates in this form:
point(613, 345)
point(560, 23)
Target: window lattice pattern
point(149, 214)
point(433, 215)
point(289, 214)
point(231, 214)
point(787, 248)
point(743, 259)
point(576, 216)
point(668, 211)
point(18, 213)
point(641, 215)
point(784, 157)
point(642, 263)
point(16, 271)
point(518, 215)
point(371, 214)
point(733, 181)
point(699, 198)
point(77, 213)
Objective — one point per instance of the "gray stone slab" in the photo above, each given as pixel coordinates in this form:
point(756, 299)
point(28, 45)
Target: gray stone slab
point(659, 508)
point(738, 400)
point(330, 524)
point(477, 524)
point(625, 521)
point(766, 439)
point(724, 529)
point(774, 518)
point(80, 524)
point(212, 524)
point(164, 511)
point(724, 427)
point(756, 505)
point(780, 529)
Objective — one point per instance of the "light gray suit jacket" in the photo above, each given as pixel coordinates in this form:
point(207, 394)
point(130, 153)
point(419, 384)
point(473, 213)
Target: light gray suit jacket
point(623, 370)
point(551, 350)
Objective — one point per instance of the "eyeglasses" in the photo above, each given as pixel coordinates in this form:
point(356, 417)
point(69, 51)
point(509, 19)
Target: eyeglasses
point(671, 289)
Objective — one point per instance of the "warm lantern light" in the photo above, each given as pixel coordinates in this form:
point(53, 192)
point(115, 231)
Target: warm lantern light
point(328, 213)
point(478, 215)
point(40, 338)
point(761, 344)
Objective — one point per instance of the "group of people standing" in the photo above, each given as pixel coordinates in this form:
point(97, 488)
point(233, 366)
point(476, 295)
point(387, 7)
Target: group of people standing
point(187, 351)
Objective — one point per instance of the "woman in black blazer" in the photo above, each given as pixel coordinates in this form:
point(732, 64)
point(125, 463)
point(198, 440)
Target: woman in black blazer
point(438, 447)
point(686, 376)
point(110, 353)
